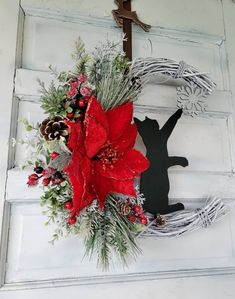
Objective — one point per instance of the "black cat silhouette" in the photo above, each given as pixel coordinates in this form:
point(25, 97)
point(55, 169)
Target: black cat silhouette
point(154, 181)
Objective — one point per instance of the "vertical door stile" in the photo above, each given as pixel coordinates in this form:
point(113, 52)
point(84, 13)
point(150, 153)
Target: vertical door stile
point(9, 16)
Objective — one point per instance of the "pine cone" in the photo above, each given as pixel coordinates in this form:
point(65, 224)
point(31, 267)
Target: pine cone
point(160, 220)
point(54, 128)
point(125, 209)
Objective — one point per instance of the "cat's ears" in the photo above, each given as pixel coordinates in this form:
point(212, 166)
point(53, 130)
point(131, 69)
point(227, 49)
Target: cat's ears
point(139, 123)
point(136, 120)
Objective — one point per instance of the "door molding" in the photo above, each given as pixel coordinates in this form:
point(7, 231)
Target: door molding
point(122, 278)
point(9, 58)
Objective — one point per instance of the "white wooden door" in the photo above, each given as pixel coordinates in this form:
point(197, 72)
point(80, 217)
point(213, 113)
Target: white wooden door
point(198, 32)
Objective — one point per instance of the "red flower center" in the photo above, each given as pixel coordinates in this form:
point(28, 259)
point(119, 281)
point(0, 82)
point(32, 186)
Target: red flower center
point(108, 155)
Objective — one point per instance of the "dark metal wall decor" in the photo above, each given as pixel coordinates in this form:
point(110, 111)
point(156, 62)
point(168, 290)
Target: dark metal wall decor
point(154, 181)
point(124, 18)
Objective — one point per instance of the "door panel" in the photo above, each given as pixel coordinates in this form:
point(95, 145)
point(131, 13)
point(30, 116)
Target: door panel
point(181, 30)
point(31, 257)
point(50, 42)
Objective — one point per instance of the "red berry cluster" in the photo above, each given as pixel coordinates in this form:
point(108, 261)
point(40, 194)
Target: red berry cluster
point(33, 179)
point(48, 175)
point(136, 213)
point(54, 155)
point(72, 219)
point(77, 98)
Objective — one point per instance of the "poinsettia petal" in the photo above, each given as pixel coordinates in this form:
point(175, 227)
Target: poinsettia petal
point(86, 169)
point(124, 187)
point(87, 199)
point(76, 177)
point(74, 134)
point(80, 179)
point(76, 180)
point(77, 187)
point(119, 118)
point(102, 187)
point(95, 110)
point(96, 136)
point(127, 140)
point(73, 166)
point(96, 127)
point(118, 170)
point(136, 161)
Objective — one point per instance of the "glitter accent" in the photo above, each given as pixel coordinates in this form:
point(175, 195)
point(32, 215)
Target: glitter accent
point(108, 155)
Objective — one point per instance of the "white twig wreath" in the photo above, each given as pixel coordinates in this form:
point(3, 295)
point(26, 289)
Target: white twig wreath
point(191, 95)
point(192, 99)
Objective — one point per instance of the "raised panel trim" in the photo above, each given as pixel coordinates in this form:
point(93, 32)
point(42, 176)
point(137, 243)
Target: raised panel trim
point(67, 16)
point(225, 181)
point(117, 278)
point(123, 278)
point(27, 89)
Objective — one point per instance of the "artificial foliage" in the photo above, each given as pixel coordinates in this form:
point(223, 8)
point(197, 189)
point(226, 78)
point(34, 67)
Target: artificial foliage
point(84, 156)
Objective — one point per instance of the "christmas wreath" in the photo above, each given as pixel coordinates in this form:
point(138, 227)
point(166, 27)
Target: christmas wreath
point(84, 157)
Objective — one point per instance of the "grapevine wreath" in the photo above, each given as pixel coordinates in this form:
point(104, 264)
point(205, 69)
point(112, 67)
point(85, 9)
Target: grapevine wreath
point(84, 153)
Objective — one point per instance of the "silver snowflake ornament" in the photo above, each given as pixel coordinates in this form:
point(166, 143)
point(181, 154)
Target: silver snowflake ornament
point(191, 98)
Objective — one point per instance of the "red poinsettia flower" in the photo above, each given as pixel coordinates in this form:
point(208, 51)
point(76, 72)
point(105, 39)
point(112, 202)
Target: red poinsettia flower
point(103, 159)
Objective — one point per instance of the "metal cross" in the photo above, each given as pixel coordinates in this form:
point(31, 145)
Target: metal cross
point(124, 18)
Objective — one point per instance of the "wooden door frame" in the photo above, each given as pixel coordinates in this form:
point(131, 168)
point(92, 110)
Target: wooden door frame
point(11, 21)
